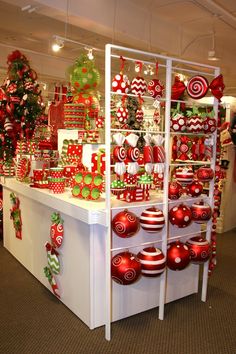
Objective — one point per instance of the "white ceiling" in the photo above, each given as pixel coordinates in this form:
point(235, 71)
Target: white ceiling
point(175, 27)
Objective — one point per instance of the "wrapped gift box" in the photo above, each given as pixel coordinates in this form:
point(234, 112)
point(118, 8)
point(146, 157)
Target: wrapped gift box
point(98, 162)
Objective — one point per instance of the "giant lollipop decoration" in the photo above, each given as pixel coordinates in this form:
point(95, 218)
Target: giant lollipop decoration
point(197, 87)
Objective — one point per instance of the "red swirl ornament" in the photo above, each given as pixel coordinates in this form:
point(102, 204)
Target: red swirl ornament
point(175, 190)
point(200, 249)
point(155, 88)
point(205, 174)
point(197, 87)
point(201, 212)
point(125, 224)
point(125, 268)
point(133, 154)
point(119, 153)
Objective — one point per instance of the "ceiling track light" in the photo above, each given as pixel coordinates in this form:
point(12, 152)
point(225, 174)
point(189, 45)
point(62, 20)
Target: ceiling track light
point(57, 44)
point(60, 41)
point(90, 53)
point(29, 8)
point(212, 53)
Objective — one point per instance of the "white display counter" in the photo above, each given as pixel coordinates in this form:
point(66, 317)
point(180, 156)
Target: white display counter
point(82, 255)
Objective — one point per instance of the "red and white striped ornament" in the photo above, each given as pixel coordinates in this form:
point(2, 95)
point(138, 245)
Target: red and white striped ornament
point(184, 175)
point(139, 115)
point(138, 86)
point(152, 220)
point(195, 125)
point(153, 261)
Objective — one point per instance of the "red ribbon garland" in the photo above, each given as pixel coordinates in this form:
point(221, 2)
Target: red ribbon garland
point(122, 63)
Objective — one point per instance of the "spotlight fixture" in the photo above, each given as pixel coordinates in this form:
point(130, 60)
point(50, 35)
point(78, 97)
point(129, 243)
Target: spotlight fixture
point(212, 53)
point(57, 44)
point(90, 53)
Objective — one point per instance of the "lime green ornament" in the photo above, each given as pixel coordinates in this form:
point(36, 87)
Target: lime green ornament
point(84, 76)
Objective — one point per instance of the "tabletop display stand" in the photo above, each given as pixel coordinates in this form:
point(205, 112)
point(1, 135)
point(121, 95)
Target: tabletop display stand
point(150, 292)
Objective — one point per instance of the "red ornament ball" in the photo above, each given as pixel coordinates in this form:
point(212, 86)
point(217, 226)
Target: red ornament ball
point(205, 174)
point(200, 249)
point(155, 88)
point(152, 220)
point(138, 86)
point(152, 260)
point(125, 224)
point(125, 268)
point(180, 215)
point(201, 212)
point(120, 84)
point(195, 189)
point(122, 114)
point(209, 125)
point(175, 190)
point(178, 256)
point(178, 123)
point(184, 175)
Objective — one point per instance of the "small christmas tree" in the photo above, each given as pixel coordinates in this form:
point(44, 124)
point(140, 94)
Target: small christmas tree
point(20, 103)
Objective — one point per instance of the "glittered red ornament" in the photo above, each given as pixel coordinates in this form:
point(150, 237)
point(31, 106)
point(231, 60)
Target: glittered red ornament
point(155, 88)
point(197, 87)
point(125, 268)
point(178, 256)
point(152, 260)
point(180, 215)
point(138, 86)
point(201, 212)
point(175, 190)
point(205, 174)
point(200, 249)
point(152, 220)
point(125, 224)
point(195, 189)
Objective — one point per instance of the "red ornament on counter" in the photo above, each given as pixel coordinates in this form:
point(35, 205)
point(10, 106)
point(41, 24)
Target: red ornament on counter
point(201, 212)
point(175, 190)
point(195, 189)
point(200, 249)
point(152, 220)
point(153, 261)
point(197, 87)
point(178, 256)
point(180, 215)
point(125, 268)
point(205, 174)
point(125, 224)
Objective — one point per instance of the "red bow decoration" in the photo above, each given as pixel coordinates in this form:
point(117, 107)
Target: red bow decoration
point(178, 88)
point(51, 249)
point(217, 87)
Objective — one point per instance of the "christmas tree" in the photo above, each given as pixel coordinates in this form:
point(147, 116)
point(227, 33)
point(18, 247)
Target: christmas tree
point(20, 104)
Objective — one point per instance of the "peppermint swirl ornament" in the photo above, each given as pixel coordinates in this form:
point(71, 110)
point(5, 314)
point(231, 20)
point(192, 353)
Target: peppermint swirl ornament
point(155, 88)
point(197, 87)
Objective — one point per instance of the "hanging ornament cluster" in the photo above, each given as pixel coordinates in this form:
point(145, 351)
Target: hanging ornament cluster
point(53, 267)
point(197, 87)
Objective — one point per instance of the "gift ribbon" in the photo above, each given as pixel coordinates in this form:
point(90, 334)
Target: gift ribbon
point(51, 249)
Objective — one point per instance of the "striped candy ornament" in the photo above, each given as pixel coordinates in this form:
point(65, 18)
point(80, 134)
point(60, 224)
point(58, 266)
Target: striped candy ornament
point(139, 115)
point(184, 175)
point(53, 262)
point(195, 125)
point(153, 261)
point(152, 220)
point(138, 86)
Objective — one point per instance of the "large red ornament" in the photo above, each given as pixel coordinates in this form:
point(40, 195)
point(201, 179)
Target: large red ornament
point(175, 190)
point(180, 215)
point(197, 87)
point(184, 175)
point(178, 123)
point(178, 88)
point(201, 212)
point(155, 88)
point(125, 268)
point(133, 154)
point(205, 174)
point(152, 220)
point(138, 86)
point(122, 114)
point(125, 224)
point(195, 189)
point(178, 256)
point(200, 249)
point(120, 84)
point(152, 260)
point(119, 153)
